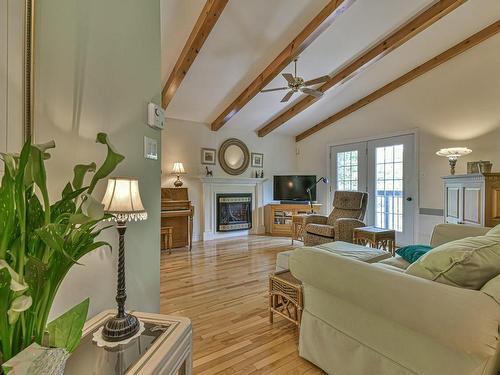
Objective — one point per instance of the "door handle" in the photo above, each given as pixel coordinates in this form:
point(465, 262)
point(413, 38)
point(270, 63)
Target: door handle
point(409, 199)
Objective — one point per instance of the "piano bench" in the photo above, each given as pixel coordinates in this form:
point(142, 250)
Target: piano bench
point(166, 239)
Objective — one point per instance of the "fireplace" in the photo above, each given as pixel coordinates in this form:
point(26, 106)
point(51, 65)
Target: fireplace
point(234, 212)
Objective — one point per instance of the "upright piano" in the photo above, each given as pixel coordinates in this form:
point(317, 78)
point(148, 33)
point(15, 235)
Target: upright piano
point(177, 212)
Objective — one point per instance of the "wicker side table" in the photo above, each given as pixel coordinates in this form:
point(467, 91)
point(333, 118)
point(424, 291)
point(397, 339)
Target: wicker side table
point(298, 226)
point(285, 297)
point(378, 238)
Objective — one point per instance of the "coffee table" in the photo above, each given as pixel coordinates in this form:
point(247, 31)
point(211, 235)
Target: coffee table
point(378, 238)
point(165, 347)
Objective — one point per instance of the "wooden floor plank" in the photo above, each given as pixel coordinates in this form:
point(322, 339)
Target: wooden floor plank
point(222, 287)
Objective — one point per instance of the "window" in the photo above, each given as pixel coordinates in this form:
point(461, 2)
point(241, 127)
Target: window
point(389, 187)
point(347, 170)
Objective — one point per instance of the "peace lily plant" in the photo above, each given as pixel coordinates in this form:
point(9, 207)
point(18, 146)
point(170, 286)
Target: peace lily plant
point(40, 241)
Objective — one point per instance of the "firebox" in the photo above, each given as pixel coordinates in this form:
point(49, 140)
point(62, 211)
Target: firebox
point(234, 212)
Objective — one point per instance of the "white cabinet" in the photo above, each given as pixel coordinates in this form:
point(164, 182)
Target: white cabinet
point(472, 199)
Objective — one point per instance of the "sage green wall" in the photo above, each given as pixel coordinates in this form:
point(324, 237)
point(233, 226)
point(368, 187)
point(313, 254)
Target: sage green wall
point(97, 67)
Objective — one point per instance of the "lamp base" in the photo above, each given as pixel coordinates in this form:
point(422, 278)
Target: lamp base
point(120, 328)
point(178, 182)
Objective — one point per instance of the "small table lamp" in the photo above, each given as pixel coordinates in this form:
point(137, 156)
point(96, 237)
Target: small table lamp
point(122, 199)
point(177, 171)
point(453, 154)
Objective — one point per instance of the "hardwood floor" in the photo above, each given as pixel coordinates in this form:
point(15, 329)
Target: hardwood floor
point(222, 287)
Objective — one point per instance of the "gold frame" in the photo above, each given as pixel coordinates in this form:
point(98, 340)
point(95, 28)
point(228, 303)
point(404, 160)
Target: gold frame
point(29, 23)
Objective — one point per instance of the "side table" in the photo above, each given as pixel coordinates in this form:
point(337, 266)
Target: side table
point(298, 226)
point(165, 347)
point(378, 238)
point(285, 296)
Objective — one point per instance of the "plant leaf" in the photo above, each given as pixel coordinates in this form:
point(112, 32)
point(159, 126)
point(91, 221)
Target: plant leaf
point(19, 305)
point(50, 234)
point(66, 330)
point(113, 158)
point(80, 171)
point(92, 208)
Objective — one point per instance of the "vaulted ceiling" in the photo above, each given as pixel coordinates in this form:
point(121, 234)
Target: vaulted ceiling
point(248, 35)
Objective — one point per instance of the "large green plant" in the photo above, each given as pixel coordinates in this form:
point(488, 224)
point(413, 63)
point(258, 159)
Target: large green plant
point(40, 241)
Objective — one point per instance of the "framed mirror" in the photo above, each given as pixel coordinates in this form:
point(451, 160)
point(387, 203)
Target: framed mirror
point(234, 157)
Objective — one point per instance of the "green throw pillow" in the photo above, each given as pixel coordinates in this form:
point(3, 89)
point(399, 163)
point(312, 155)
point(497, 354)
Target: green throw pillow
point(467, 263)
point(411, 253)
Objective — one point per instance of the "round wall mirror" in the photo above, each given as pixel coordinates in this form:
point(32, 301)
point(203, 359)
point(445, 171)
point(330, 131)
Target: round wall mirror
point(234, 156)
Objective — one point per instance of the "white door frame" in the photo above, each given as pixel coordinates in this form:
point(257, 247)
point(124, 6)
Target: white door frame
point(416, 151)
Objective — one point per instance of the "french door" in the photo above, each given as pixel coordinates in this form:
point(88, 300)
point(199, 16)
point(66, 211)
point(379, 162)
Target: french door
point(385, 168)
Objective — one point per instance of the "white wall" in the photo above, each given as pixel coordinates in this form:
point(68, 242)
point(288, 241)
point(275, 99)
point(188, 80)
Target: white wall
point(97, 65)
point(11, 75)
point(182, 141)
point(456, 104)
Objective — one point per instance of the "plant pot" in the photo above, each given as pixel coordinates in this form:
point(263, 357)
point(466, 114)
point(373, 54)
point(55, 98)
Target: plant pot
point(36, 359)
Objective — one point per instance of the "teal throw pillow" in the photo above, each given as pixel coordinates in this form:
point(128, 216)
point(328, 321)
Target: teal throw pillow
point(411, 253)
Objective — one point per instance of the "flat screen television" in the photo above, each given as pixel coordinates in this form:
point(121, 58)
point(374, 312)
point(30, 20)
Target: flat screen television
point(293, 188)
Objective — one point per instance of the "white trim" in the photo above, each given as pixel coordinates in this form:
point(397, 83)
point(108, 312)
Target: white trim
point(232, 180)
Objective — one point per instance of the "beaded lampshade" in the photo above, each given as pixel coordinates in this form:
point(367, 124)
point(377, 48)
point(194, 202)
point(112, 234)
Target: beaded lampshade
point(122, 199)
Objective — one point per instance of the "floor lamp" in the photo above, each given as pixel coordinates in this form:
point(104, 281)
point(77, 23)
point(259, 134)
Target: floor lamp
point(325, 180)
point(123, 201)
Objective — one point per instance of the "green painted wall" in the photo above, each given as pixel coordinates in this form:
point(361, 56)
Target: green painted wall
point(97, 65)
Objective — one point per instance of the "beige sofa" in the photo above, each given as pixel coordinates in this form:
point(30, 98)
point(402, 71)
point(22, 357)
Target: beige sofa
point(371, 319)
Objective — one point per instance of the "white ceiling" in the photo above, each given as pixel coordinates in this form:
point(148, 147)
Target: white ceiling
point(250, 34)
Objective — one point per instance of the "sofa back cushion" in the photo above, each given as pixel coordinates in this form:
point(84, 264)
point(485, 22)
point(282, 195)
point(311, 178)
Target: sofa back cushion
point(444, 233)
point(468, 263)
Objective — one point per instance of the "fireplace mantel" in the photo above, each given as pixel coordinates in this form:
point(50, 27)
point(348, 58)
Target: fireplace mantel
point(232, 180)
point(223, 185)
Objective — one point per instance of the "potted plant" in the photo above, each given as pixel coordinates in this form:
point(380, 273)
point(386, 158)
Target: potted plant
point(41, 240)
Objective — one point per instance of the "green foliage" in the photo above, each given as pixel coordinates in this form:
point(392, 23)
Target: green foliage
point(40, 241)
point(66, 331)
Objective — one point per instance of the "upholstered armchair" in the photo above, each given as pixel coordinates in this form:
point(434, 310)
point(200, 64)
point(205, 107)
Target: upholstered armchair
point(348, 212)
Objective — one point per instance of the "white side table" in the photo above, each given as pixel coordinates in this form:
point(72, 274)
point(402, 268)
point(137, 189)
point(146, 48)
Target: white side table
point(165, 348)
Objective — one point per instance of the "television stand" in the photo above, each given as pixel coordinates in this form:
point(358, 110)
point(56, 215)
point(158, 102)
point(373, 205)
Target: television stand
point(278, 216)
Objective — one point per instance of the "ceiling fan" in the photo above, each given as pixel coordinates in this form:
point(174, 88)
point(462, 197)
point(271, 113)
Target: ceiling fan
point(296, 84)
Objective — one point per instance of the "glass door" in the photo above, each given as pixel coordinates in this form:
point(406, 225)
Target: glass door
point(385, 168)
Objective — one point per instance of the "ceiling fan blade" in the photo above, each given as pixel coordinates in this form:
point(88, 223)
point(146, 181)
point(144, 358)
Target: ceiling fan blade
point(315, 93)
point(317, 80)
point(287, 96)
point(276, 89)
point(289, 77)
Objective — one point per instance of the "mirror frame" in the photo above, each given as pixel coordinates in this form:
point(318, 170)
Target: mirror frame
point(222, 160)
point(29, 23)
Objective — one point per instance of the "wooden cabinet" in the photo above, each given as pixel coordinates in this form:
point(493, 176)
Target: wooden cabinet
point(472, 199)
point(278, 217)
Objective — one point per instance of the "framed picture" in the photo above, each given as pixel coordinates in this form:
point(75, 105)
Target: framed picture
point(208, 156)
point(257, 160)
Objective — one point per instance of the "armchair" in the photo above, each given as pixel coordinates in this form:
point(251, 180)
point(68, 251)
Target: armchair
point(348, 212)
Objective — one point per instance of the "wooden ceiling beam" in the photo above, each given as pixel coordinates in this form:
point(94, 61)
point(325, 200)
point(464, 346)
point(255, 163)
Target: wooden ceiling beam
point(204, 25)
point(407, 31)
point(456, 50)
point(320, 23)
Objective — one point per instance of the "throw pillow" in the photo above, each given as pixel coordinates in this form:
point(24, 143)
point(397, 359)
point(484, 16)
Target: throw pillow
point(411, 253)
point(467, 263)
point(495, 231)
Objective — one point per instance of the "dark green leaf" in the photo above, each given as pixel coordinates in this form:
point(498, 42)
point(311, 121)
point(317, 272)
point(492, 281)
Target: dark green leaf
point(51, 235)
point(80, 171)
point(113, 158)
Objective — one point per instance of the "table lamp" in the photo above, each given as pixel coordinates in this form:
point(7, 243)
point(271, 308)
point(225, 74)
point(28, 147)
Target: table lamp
point(122, 199)
point(177, 171)
point(453, 154)
point(325, 180)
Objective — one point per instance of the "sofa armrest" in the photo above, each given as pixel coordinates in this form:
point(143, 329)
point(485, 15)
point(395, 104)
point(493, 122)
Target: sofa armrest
point(462, 319)
point(345, 227)
point(315, 219)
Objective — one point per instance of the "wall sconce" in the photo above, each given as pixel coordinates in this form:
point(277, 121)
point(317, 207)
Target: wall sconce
point(453, 154)
point(178, 170)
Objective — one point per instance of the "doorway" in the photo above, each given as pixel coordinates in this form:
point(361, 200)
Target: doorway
point(386, 169)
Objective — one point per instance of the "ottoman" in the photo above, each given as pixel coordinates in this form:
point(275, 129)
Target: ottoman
point(346, 249)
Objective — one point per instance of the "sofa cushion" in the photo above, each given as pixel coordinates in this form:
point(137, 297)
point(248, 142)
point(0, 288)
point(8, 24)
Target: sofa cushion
point(396, 261)
point(321, 230)
point(468, 263)
point(357, 252)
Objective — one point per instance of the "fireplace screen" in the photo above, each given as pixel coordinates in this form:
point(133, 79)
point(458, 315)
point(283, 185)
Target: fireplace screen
point(234, 212)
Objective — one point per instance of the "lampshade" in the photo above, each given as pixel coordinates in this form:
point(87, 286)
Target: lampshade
point(453, 152)
point(178, 168)
point(123, 200)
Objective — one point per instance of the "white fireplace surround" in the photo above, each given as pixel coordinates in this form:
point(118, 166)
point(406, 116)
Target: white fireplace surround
point(224, 185)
